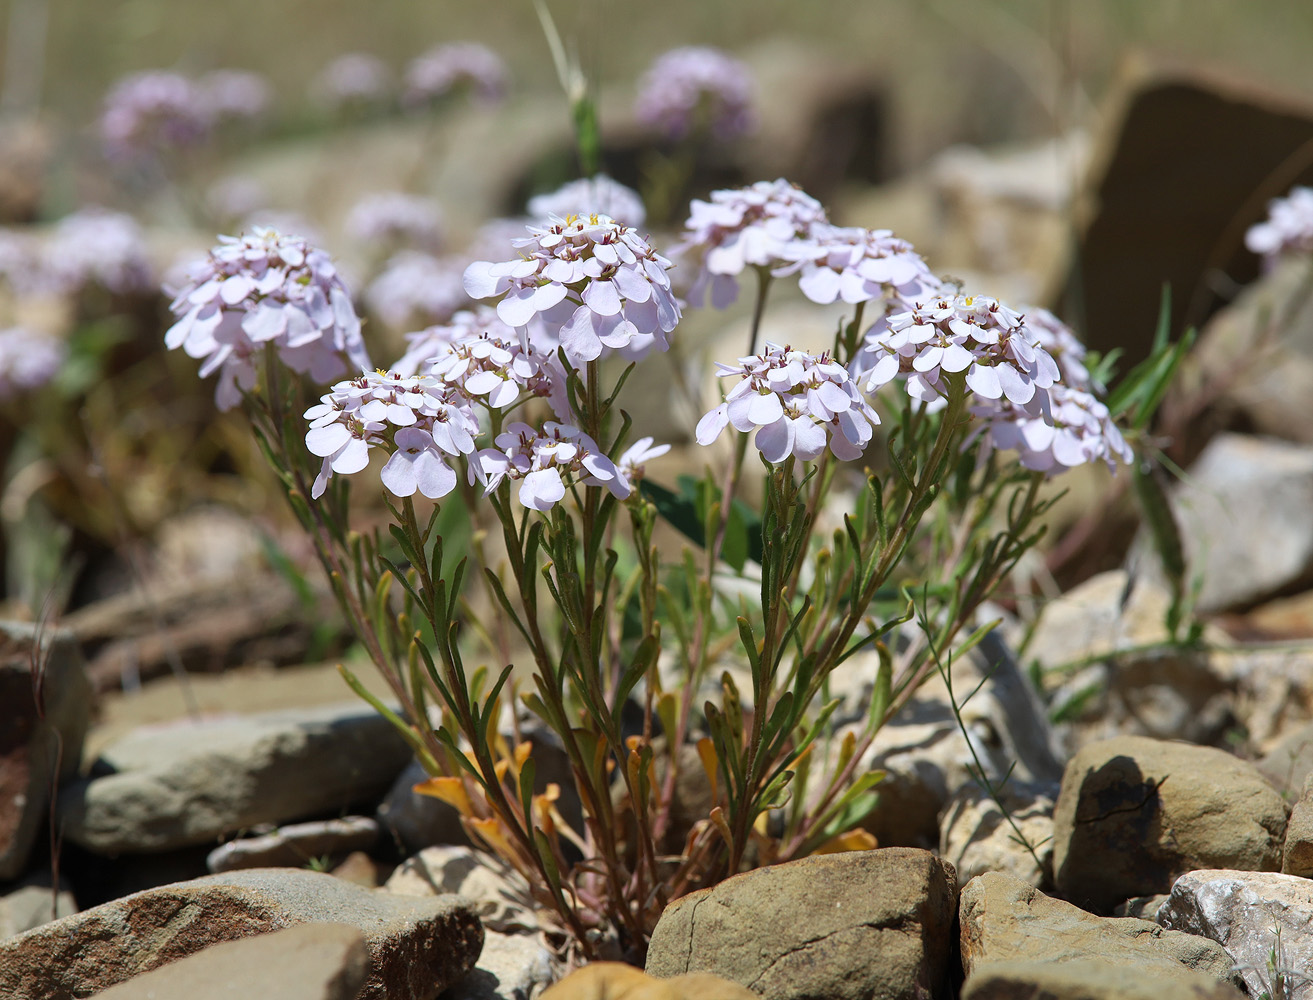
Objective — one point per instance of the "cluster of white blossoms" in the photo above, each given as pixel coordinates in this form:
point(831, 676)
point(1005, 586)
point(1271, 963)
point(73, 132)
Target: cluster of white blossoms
point(855, 265)
point(797, 403)
point(1078, 429)
point(417, 288)
point(693, 89)
point(595, 284)
point(598, 195)
point(543, 460)
point(445, 68)
point(395, 218)
point(28, 360)
point(1288, 228)
point(353, 79)
point(266, 288)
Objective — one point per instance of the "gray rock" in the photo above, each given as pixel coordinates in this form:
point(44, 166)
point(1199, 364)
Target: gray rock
point(1250, 914)
point(1088, 979)
point(880, 927)
point(1135, 813)
point(1005, 920)
point(976, 837)
point(1274, 691)
point(307, 962)
point(511, 967)
point(415, 821)
point(40, 745)
point(296, 844)
point(417, 947)
point(498, 894)
point(191, 783)
point(33, 904)
point(1289, 763)
point(1297, 855)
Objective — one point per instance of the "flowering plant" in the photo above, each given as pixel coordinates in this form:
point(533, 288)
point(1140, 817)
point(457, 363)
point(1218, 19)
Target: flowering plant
point(504, 428)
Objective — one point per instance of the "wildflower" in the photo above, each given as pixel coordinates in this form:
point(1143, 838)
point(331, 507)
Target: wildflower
point(1079, 429)
point(957, 333)
point(1056, 337)
point(595, 282)
point(266, 288)
point(417, 287)
point(28, 360)
point(425, 345)
point(632, 462)
point(758, 226)
point(856, 265)
point(355, 78)
point(235, 94)
point(690, 89)
point(442, 69)
point(495, 367)
point(544, 461)
point(797, 403)
point(395, 218)
point(96, 246)
point(152, 113)
point(1288, 228)
point(592, 196)
point(422, 420)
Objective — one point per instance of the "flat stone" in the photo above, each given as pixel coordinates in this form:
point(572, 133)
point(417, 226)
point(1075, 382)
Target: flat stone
point(307, 962)
point(1134, 813)
point(511, 967)
point(1288, 764)
point(40, 746)
point(1297, 855)
point(296, 844)
point(617, 981)
point(32, 904)
point(1006, 920)
point(417, 947)
point(1088, 979)
point(1249, 914)
point(191, 783)
point(976, 837)
point(498, 894)
point(881, 927)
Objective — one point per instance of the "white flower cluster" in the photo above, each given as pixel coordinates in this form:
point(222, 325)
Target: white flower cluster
point(417, 288)
point(855, 264)
point(266, 288)
point(594, 284)
point(543, 460)
point(696, 88)
point(1078, 429)
point(28, 360)
point(354, 79)
point(797, 403)
point(1288, 228)
point(591, 196)
point(394, 218)
point(440, 70)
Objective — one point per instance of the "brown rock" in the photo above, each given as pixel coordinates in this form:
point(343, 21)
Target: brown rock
point(617, 981)
point(1297, 855)
point(840, 926)
point(1003, 919)
point(1090, 979)
point(417, 947)
point(40, 744)
point(1135, 813)
point(307, 962)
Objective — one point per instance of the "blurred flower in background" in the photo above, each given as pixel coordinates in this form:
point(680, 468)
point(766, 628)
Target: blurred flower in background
point(396, 219)
point(151, 114)
point(598, 195)
point(356, 79)
point(696, 89)
point(28, 360)
point(97, 246)
point(236, 94)
point(445, 68)
point(1288, 228)
point(417, 289)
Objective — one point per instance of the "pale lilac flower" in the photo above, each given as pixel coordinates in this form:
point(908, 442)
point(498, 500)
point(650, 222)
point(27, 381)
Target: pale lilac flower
point(23, 264)
point(425, 345)
point(596, 283)
point(394, 218)
point(1288, 228)
point(28, 360)
point(1079, 429)
point(632, 464)
point(495, 368)
point(495, 239)
point(697, 88)
point(1065, 347)
point(442, 69)
point(96, 246)
point(421, 420)
point(148, 114)
point(797, 403)
point(958, 333)
point(415, 289)
point(756, 226)
point(592, 196)
point(545, 462)
point(266, 288)
point(235, 197)
point(356, 78)
point(856, 265)
point(284, 221)
point(236, 94)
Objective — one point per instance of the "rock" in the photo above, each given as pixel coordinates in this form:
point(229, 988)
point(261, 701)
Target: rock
point(617, 981)
point(1144, 907)
point(1242, 510)
point(1274, 690)
point(1135, 813)
point(1152, 218)
point(1297, 855)
point(417, 947)
point(498, 894)
point(40, 741)
point(1005, 920)
point(307, 962)
point(1088, 979)
point(879, 928)
point(415, 821)
point(190, 783)
point(360, 869)
point(1289, 763)
point(1250, 913)
point(1125, 689)
point(32, 904)
point(976, 838)
point(511, 967)
point(296, 844)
